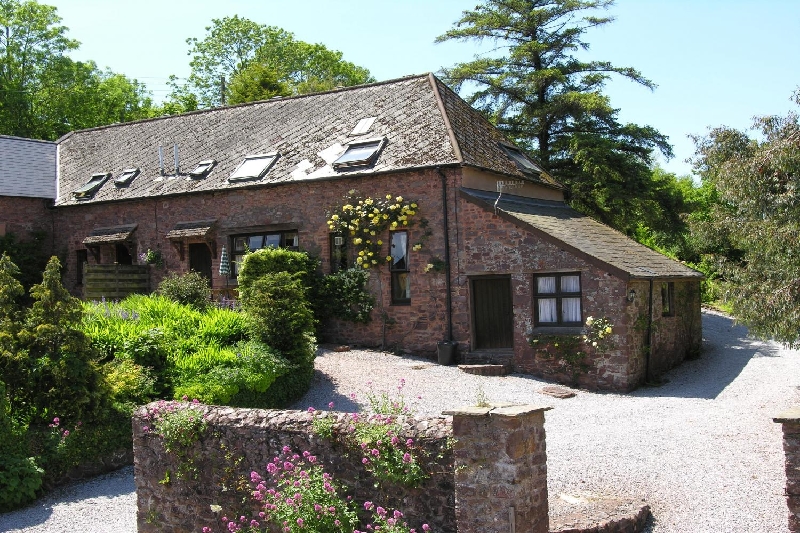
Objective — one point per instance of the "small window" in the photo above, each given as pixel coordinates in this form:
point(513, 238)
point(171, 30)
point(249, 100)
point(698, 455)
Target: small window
point(125, 179)
point(359, 154)
point(92, 186)
point(668, 299)
point(521, 160)
point(338, 253)
point(203, 168)
point(401, 277)
point(254, 167)
point(363, 126)
point(557, 299)
point(242, 244)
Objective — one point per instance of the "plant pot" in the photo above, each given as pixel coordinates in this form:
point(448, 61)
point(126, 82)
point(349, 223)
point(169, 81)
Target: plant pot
point(446, 352)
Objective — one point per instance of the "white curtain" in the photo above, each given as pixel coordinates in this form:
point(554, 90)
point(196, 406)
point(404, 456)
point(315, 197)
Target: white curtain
point(571, 309)
point(399, 250)
point(546, 285)
point(547, 310)
point(570, 284)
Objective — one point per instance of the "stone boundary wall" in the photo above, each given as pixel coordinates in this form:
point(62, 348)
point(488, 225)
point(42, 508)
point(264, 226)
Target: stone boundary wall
point(790, 420)
point(495, 464)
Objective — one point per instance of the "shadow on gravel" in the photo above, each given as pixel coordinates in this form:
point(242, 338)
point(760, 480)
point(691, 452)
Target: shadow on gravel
point(323, 387)
point(726, 351)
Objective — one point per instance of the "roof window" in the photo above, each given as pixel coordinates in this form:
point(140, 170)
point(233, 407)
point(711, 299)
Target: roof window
point(203, 168)
point(521, 160)
point(125, 179)
point(363, 126)
point(92, 186)
point(254, 167)
point(358, 154)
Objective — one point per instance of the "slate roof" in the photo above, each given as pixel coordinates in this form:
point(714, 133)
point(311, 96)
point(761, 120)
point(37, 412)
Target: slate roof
point(196, 228)
point(309, 132)
point(584, 235)
point(110, 235)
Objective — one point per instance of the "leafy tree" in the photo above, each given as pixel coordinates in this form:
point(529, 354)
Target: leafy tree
point(233, 46)
point(550, 101)
point(753, 228)
point(45, 94)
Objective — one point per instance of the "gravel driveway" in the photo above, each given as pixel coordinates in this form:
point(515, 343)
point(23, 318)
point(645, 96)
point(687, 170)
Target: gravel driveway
point(702, 449)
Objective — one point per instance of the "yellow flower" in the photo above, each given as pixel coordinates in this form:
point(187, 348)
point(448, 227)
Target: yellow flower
point(428, 267)
point(365, 265)
point(388, 257)
point(385, 217)
point(405, 222)
point(361, 252)
point(359, 260)
point(394, 225)
point(335, 217)
point(374, 262)
point(589, 321)
point(414, 205)
point(608, 329)
point(380, 242)
point(399, 199)
point(388, 196)
point(357, 240)
point(417, 247)
point(352, 233)
point(372, 233)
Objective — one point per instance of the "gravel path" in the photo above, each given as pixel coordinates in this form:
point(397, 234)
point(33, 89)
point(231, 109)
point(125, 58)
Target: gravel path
point(702, 449)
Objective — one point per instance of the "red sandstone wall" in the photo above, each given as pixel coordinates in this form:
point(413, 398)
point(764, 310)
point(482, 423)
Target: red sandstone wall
point(21, 215)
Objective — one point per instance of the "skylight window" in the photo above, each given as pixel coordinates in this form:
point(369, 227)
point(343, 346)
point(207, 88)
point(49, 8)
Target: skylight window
point(125, 179)
point(521, 160)
point(359, 154)
point(363, 126)
point(203, 168)
point(91, 187)
point(254, 167)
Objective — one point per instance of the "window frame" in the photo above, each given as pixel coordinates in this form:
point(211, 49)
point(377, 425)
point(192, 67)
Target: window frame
point(396, 273)
point(522, 161)
point(270, 159)
point(90, 188)
point(207, 165)
point(667, 298)
point(237, 255)
point(339, 253)
point(559, 295)
point(366, 161)
point(126, 177)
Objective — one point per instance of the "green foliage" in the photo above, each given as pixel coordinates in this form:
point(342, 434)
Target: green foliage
point(346, 295)
point(752, 231)
point(180, 427)
point(29, 257)
point(190, 289)
point(45, 93)
point(279, 313)
point(550, 102)
point(130, 384)
point(260, 60)
point(20, 479)
point(274, 260)
point(54, 370)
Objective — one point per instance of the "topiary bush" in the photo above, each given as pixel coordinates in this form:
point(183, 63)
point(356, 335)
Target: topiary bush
point(188, 289)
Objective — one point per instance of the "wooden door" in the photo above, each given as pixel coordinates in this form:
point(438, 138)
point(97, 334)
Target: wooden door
point(492, 313)
point(200, 260)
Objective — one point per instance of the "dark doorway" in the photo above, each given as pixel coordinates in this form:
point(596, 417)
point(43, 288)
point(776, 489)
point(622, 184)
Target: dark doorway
point(123, 255)
point(492, 312)
point(200, 260)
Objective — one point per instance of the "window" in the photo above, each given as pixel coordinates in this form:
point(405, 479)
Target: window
point(92, 186)
point(125, 179)
point(359, 154)
point(557, 299)
point(521, 160)
point(254, 167)
point(668, 299)
point(203, 168)
point(401, 277)
point(250, 243)
point(363, 126)
point(338, 253)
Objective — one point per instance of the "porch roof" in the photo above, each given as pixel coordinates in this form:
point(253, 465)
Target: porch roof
point(110, 235)
point(196, 228)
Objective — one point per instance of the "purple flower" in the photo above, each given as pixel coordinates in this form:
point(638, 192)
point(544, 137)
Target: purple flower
point(330, 405)
point(406, 458)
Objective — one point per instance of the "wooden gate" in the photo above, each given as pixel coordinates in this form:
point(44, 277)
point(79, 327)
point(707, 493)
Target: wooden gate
point(115, 282)
point(492, 312)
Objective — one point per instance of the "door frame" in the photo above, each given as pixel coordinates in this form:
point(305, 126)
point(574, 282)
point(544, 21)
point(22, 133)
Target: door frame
point(472, 329)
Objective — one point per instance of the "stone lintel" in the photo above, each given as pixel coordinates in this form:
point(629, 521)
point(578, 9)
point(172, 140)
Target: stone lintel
point(508, 410)
point(788, 416)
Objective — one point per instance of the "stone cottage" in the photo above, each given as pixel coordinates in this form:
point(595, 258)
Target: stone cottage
point(502, 260)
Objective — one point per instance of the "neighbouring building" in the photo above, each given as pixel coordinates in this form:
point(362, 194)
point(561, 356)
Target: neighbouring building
point(513, 261)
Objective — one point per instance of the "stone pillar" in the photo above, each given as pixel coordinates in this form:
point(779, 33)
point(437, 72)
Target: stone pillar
point(790, 420)
point(500, 469)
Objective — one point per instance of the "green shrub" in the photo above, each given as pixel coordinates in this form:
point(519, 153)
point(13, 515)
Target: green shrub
point(29, 255)
point(130, 384)
point(279, 314)
point(274, 260)
point(346, 295)
point(223, 326)
point(54, 371)
point(20, 479)
point(189, 289)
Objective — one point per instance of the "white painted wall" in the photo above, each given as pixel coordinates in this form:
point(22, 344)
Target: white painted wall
point(27, 167)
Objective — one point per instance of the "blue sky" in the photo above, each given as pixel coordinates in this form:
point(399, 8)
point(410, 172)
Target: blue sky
point(716, 62)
